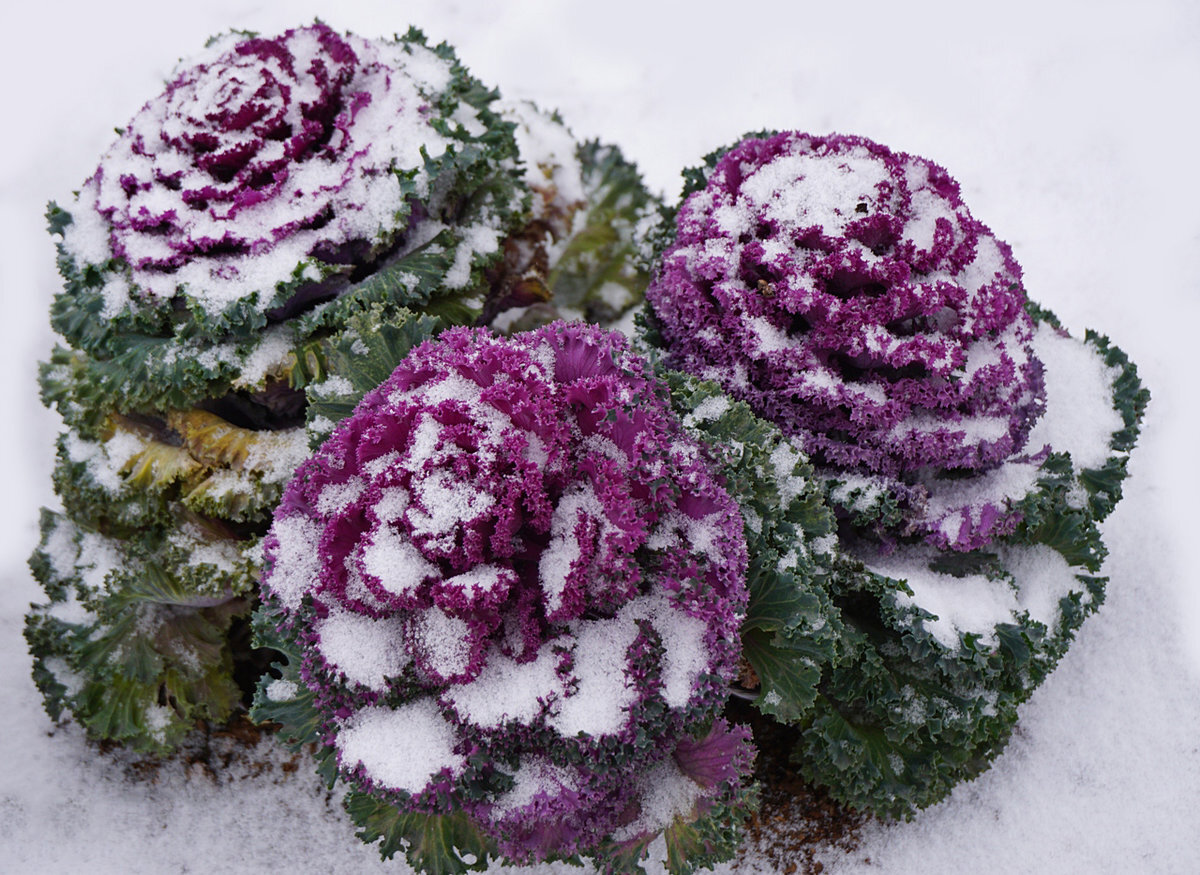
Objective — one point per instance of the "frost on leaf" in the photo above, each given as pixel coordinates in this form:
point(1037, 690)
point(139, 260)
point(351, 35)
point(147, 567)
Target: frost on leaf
point(276, 191)
point(528, 589)
point(966, 445)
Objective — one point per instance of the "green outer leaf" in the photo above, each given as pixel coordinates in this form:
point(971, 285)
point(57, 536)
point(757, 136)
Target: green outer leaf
point(435, 844)
point(901, 718)
point(893, 718)
point(362, 356)
point(791, 628)
point(133, 640)
point(607, 247)
point(297, 715)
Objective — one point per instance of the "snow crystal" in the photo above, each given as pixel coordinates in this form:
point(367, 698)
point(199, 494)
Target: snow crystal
point(377, 466)
point(105, 461)
point(536, 776)
point(401, 748)
point(65, 675)
point(297, 563)
point(60, 548)
point(770, 338)
point(507, 690)
point(733, 219)
point(599, 702)
point(336, 497)
point(425, 67)
point(158, 718)
point(116, 294)
point(1009, 482)
point(86, 239)
point(752, 520)
point(685, 654)
point(927, 207)
point(1043, 579)
point(446, 503)
point(667, 793)
point(976, 429)
point(270, 357)
point(277, 454)
point(803, 190)
point(392, 502)
point(480, 238)
point(201, 550)
point(480, 579)
point(392, 559)
point(564, 550)
point(99, 556)
point(71, 610)
point(708, 409)
point(784, 460)
point(968, 604)
point(364, 649)
point(331, 386)
point(441, 642)
point(1079, 417)
point(547, 150)
point(281, 690)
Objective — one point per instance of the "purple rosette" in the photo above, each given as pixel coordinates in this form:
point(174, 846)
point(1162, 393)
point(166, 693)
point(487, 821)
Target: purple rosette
point(517, 584)
point(846, 293)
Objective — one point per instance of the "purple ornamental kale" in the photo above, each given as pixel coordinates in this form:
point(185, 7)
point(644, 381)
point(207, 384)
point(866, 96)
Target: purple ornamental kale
point(846, 293)
point(267, 162)
point(519, 584)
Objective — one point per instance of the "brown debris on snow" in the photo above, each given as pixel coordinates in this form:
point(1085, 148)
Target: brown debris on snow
point(795, 821)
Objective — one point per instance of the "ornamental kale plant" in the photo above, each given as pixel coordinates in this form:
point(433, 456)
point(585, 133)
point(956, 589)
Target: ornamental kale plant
point(279, 196)
point(966, 443)
point(586, 243)
point(509, 586)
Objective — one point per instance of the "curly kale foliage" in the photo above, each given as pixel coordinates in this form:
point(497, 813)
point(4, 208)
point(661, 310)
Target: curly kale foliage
point(525, 569)
point(206, 270)
point(134, 641)
point(281, 196)
point(584, 253)
point(791, 630)
point(966, 555)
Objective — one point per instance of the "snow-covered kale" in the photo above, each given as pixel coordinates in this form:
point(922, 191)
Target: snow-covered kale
point(967, 445)
point(846, 293)
point(275, 186)
point(586, 243)
point(281, 195)
point(512, 587)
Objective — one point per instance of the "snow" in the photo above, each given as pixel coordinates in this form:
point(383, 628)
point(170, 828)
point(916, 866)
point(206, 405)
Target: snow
point(394, 561)
point(1047, 123)
point(441, 642)
point(401, 748)
point(368, 651)
point(548, 153)
point(800, 191)
point(667, 793)
point(557, 561)
point(973, 603)
point(958, 605)
point(297, 563)
point(1079, 425)
point(535, 776)
point(507, 690)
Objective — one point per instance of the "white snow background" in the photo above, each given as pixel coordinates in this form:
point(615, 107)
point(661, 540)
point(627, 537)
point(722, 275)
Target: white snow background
point(1072, 127)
